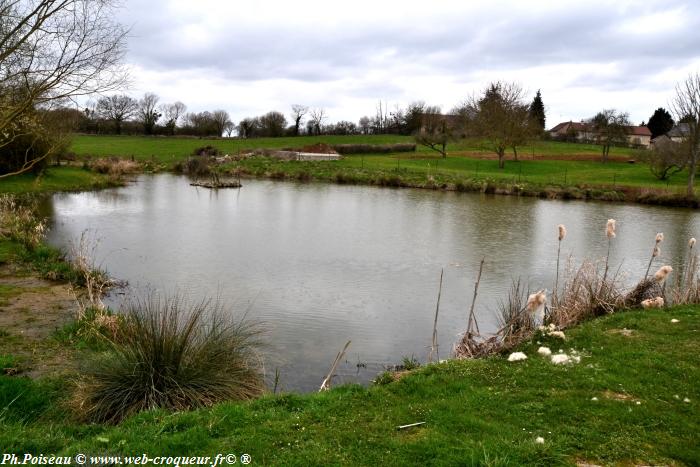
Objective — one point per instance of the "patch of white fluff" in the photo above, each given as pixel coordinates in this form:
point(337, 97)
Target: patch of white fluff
point(560, 359)
point(686, 400)
point(674, 320)
point(539, 440)
point(594, 399)
point(544, 351)
point(516, 357)
point(558, 334)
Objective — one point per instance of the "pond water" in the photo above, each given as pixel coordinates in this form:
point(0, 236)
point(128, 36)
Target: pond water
point(321, 264)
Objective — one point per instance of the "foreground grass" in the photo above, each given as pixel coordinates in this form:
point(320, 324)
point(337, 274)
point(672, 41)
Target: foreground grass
point(476, 412)
point(54, 179)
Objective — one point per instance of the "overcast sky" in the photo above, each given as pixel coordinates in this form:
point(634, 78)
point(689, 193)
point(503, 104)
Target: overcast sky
point(251, 57)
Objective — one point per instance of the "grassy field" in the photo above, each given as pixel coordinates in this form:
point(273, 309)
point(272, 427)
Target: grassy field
point(168, 150)
point(542, 163)
point(633, 399)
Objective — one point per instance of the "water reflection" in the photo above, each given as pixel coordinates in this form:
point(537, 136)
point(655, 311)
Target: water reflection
point(320, 264)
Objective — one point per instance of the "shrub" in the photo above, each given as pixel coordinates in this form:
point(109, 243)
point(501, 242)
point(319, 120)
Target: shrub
point(174, 355)
point(206, 151)
point(20, 222)
point(197, 167)
point(373, 148)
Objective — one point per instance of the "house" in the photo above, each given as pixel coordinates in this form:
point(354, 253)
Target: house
point(676, 134)
point(679, 132)
point(638, 136)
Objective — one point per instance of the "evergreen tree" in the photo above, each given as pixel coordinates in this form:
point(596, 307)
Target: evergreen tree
point(660, 123)
point(537, 111)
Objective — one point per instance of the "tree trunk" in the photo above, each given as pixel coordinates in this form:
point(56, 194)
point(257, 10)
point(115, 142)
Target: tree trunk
point(691, 173)
point(444, 152)
point(515, 154)
point(501, 158)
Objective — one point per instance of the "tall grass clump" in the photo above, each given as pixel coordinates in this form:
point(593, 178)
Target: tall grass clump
point(171, 354)
point(514, 323)
point(20, 222)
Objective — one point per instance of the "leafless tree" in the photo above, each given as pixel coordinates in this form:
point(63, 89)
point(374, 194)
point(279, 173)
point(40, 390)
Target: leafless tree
point(686, 107)
point(610, 128)
point(229, 128)
point(365, 124)
point(499, 116)
point(221, 120)
point(316, 117)
point(667, 157)
point(298, 113)
point(172, 113)
point(435, 131)
point(272, 124)
point(117, 108)
point(147, 113)
point(52, 51)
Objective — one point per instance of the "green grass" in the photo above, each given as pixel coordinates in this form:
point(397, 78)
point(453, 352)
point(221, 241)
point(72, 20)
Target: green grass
point(169, 150)
point(476, 412)
point(54, 179)
point(414, 168)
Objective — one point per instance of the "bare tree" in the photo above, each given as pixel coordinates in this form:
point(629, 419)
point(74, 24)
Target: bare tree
point(686, 106)
point(666, 157)
point(221, 120)
point(434, 131)
point(610, 127)
point(51, 51)
point(500, 116)
point(147, 113)
point(272, 124)
point(117, 108)
point(229, 128)
point(317, 116)
point(172, 113)
point(365, 124)
point(298, 113)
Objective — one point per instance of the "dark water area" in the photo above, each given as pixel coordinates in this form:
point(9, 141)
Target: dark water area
point(321, 264)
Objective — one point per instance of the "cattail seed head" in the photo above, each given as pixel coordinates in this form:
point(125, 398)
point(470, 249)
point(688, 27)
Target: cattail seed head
point(691, 242)
point(657, 252)
point(662, 273)
point(610, 228)
point(536, 300)
point(659, 237)
point(657, 302)
point(562, 232)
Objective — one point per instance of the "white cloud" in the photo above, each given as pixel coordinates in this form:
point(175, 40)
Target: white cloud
point(249, 58)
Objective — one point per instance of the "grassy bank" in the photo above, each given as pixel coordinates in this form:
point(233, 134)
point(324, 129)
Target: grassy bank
point(55, 179)
point(545, 168)
point(476, 412)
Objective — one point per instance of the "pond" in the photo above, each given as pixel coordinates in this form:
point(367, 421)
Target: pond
point(321, 264)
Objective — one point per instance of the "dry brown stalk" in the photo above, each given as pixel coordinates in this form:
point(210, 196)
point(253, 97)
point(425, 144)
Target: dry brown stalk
point(326, 384)
point(434, 345)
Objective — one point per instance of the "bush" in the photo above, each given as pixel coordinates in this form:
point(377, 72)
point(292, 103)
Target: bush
point(206, 151)
point(20, 222)
point(374, 148)
point(170, 354)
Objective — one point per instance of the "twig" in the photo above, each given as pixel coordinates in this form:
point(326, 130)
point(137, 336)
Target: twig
point(434, 346)
point(326, 384)
point(471, 310)
point(410, 425)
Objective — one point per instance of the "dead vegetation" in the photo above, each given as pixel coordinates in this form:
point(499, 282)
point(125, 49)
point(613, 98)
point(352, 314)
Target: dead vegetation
point(590, 289)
